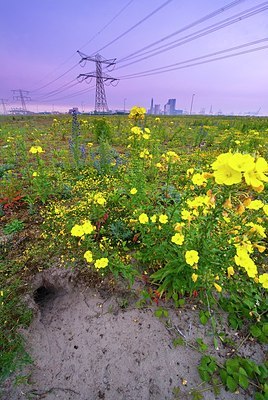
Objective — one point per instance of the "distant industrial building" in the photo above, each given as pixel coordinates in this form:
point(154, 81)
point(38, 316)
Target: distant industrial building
point(169, 108)
point(157, 110)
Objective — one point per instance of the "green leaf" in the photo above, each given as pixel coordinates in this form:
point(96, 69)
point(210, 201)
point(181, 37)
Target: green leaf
point(201, 345)
point(203, 316)
point(181, 302)
point(158, 313)
point(231, 384)
point(223, 375)
point(265, 328)
point(178, 342)
point(243, 381)
point(259, 396)
point(242, 371)
point(175, 296)
point(204, 375)
point(255, 331)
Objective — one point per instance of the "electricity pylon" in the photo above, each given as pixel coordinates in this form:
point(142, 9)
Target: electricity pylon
point(101, 78)
point(23, 97)
point(4, 103)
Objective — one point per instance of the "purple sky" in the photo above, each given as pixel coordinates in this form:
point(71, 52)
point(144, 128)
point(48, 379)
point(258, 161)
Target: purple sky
point(39, 40)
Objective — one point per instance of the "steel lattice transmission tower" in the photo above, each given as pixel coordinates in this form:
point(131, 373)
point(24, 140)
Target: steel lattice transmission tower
point(22, 95)
point(101, 78)
point(4, 103)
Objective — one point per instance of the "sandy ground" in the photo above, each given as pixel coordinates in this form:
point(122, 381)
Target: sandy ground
point(86, 346)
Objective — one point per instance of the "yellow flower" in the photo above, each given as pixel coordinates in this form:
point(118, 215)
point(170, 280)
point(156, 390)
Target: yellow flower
point(260, 248)
point(153, 218)
point(87, 227)
point(146, 136)
point(265, 209)
point(257, 228)
point(218, 287)
point(241, 162)
point(198, 179)
point(101, 263)
point(99, 199)
point(171, 157)
point(88, 256)
point(36, 149)
point(136, 130)
point(255, 205)
point(144, 153)
point(143, 218)
point(221, 160)
point(227, 175)
point(178, 239)
point(159, 165)
point(178, 226)
point(191, 257)
point(242, 259)
point(230, 271)
point(35, 174)
point(137, 113)
point(77, 230)
point(186, 215)
point(194, 277)
point(133, 191)
point(163, 219)
point(252, 179)
point(189, 172)
point(263, 279)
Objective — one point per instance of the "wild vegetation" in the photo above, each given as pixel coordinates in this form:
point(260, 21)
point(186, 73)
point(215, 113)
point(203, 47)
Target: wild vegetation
point(177, 202)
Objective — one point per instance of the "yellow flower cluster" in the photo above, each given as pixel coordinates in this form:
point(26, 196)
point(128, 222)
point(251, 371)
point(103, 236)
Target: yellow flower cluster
point(243, 260)
point(80, 230)
point(139, 133)
point(170, 157)
point(36, 149)
point(99, 263)
point(199, 179)
point(205, 202)
point(263, 279)
point(137, 113)
point(145, 154)
point(99, 199)
point(230, 168)
point(144, 219)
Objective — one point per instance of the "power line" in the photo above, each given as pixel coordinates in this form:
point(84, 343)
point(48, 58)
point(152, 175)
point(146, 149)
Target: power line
point(203, 32)
point(61, 89)
point(196, 58)
point(137, 24)
point(202, 62)
point(56, 79)
point(191, 25)
point(78, 93)
point(106, 26)
point(90, 40)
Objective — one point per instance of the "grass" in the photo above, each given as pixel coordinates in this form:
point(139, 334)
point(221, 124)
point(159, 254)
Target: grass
point(135, 187)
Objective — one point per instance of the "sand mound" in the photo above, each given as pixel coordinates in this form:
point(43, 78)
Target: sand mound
point(86, 345)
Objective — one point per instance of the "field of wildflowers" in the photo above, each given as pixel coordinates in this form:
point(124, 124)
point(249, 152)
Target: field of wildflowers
point(180, 203)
